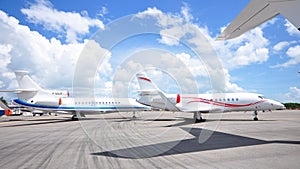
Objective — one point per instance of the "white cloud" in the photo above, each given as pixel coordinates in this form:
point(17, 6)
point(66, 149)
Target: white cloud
point(171, 25)
point(247, 54)
point(5, 50)
point(31, 51)
point(279, 46)
point(291, 29)
point(102, 12)
point(70, 23)
point(185, 11)
point(49, 62)
point(293, 95)
point(53, 62)
point(229, 86)
point(294, 54)
point(249, 48)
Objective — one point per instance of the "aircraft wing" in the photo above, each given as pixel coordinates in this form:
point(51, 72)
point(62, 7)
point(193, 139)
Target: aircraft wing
point(204, 110)
point(258, 12)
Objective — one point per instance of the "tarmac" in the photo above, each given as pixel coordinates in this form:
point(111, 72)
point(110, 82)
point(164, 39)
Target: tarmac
point(152, 140)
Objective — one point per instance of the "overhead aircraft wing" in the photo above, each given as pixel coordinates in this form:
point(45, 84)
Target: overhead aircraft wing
point(259, 11)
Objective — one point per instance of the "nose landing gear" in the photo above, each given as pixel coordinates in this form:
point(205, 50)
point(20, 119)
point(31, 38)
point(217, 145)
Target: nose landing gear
point(255, 115)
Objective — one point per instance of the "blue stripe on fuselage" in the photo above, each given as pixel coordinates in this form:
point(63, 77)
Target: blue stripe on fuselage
point(38, 106)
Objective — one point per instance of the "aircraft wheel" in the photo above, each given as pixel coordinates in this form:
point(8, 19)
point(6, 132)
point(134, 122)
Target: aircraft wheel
point(255, 118)
point(200, 120)
point(74, 118)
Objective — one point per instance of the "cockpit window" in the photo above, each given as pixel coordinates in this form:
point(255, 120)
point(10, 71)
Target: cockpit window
point(261, 97)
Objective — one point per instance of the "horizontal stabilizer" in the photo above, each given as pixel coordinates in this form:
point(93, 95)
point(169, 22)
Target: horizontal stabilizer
point(149, 92)
point(4, 106)
point(168, 104)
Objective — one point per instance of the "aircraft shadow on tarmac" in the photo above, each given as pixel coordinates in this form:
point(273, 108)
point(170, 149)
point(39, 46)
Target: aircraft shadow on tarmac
point(40, 122)
point(218, 140)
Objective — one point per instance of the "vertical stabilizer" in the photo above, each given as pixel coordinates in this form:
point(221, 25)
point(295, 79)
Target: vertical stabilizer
point(27, 87)
point(145, 83)
point(152, 96)
point(25, 82)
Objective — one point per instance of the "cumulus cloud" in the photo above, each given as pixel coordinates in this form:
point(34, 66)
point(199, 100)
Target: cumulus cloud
point(102, 12)
point(293, 95)
point(29, 50)
point(294, 54)
point(250, 48)
point(50, 62)
point(58, 59)
point(281, 45)
point(5, 50)
point(70, 23)
point(291, 29)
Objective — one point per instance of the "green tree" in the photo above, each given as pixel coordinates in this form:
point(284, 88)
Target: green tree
point(292, 105)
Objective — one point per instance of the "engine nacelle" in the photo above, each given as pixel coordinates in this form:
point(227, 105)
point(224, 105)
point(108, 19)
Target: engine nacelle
point(47, 101)
point(59, 93)
point(174, 99)
point(157, 101)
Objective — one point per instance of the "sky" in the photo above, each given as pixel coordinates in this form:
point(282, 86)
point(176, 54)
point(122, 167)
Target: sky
point(63, 44)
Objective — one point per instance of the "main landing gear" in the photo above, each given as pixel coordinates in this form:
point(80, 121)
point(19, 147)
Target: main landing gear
point(198, 118)
point(77, 116)
point(255, 115)
point(133, 116)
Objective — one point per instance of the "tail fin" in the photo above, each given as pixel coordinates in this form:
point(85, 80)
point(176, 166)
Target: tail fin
point(25, 82)
point(145, 83)
point(152, 96)
point(27, 87)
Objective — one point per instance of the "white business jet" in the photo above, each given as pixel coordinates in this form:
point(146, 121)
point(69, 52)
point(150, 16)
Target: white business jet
point(150, 95)
point(258, 12)
point(33, 97)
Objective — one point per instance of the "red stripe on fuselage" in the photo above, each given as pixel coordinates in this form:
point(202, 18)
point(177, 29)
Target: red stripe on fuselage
point(143, 78)
point(201, 100)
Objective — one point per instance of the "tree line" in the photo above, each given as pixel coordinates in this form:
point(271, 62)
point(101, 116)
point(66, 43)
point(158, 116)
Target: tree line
point(292, 105)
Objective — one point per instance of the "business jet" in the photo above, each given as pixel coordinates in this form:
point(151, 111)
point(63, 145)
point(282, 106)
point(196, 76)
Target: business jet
point(151, 95)
point(33, 97)
point(258, 12)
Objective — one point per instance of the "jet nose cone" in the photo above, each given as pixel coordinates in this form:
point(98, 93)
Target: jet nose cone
point(278, 105)
point(282, 107)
